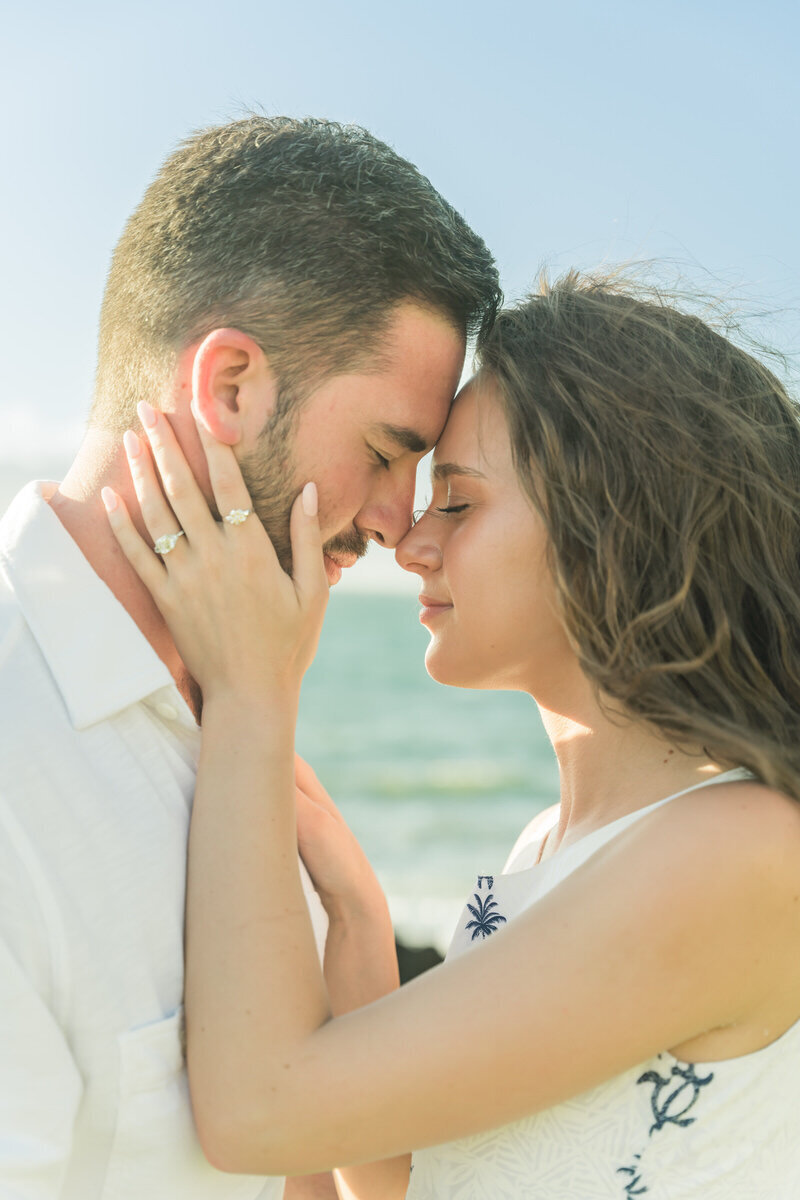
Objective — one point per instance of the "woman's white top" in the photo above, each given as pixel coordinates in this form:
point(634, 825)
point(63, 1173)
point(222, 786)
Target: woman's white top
point(664, 1130)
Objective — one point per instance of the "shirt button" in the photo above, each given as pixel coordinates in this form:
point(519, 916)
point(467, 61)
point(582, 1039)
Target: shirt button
point(166, 711)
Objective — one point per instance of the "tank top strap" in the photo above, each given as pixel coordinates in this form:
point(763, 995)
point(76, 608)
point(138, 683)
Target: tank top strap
point(567, 859)
point(615, 827)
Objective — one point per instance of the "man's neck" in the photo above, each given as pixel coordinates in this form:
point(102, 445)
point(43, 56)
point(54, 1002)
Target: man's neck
point(101, 462)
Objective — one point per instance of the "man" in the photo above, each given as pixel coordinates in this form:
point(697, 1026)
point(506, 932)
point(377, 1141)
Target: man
point(306, 294)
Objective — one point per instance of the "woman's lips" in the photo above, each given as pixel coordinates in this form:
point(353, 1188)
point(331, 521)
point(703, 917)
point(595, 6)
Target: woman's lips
point(432, 608)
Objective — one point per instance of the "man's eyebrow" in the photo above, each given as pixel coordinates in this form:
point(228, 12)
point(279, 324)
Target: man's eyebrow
point(409, 439)
point(442, 471)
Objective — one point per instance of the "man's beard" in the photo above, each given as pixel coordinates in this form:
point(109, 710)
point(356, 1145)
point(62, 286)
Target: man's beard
point(269, 475)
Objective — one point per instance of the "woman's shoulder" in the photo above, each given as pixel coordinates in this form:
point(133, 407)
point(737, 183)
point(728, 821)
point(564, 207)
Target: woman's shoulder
point(735, 846)
point(526, 848)
point(735, 812)
point(714, 875)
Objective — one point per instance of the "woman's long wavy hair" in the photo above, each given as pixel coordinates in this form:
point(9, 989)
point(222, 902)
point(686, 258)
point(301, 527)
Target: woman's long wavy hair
point(665, 462)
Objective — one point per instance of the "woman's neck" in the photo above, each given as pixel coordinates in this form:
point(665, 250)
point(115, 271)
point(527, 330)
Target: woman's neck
point(610, 766)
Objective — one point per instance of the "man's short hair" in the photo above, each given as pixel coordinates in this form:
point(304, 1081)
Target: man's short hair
point(304, 234)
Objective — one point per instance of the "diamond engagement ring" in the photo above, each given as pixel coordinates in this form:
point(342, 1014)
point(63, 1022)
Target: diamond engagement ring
point(238, 515)
point(166, 543)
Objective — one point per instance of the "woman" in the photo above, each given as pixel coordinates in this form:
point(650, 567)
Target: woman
point(613, 530)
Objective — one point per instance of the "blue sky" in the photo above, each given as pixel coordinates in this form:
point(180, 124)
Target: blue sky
point(567, 134)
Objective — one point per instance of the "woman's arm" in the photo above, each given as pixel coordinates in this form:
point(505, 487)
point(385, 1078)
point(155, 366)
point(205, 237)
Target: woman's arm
point(569, 994)
point(360, 962)
point(686, 923)
point(360, 955)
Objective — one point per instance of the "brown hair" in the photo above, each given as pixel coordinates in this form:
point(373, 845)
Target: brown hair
point(302, 233)
point(665, 462)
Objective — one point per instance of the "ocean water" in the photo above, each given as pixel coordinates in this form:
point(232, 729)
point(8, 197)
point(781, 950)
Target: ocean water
point(435, 782)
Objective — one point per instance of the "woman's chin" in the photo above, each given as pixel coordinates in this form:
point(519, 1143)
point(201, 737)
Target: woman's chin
point(433, 664)
point(444, 670)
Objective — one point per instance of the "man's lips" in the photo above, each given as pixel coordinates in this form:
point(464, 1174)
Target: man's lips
point(432, 607)
point(342, 560)
point(336, 563)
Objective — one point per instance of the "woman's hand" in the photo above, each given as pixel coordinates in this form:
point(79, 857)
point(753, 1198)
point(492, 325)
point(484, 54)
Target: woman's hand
point(360, 955)
point(239, 622)
point(339, 868)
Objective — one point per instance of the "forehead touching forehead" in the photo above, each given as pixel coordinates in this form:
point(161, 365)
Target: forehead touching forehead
point(406, 394)
point(474, 442)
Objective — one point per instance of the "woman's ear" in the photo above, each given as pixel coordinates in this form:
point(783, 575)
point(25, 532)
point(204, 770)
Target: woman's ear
point(233, 389)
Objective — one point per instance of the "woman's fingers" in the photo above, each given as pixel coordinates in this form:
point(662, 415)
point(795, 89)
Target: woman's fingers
point(177, 479)
point(133, 546)
point(227, 484)
point(308, 783)
point(159, 518)
point(308, 565)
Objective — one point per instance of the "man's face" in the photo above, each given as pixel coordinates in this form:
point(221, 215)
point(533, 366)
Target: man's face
point(359, 437)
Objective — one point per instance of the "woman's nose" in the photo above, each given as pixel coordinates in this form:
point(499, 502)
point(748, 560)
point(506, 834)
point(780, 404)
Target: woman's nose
point(418, 550)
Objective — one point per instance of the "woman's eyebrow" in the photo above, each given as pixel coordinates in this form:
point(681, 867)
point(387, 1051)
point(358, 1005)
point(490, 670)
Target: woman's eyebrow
point(444, 470)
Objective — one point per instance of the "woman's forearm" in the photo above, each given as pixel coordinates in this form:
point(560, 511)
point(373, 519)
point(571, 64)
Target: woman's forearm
point(254, 989)
point(253, 984)
point(361, 966)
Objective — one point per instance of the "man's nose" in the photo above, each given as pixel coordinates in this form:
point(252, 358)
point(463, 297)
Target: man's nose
point(389, 518)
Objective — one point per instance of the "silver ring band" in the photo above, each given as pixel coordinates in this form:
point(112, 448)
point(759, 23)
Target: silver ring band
point(166, 543)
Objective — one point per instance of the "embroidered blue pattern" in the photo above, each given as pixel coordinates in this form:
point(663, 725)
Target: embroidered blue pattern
point(671, 1109)
point(485, 921)
point(671, 1100)
point(631, 1187)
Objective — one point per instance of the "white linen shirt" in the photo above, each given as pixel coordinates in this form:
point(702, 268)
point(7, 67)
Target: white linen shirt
point(98, 755)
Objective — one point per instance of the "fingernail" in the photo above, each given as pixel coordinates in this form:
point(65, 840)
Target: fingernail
point(310, 500)
point(109, 498)
point(132, 445)
point(147, 414)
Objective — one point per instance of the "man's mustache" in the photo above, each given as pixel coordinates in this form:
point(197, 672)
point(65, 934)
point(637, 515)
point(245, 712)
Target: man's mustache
point(351, 542)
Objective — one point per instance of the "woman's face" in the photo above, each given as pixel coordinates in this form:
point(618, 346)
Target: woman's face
point(480, 550)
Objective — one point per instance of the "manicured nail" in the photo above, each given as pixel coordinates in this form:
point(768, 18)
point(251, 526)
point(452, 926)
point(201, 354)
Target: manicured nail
point(147, 414)
point(110, 498)
point(310, 500)
point(133, 446)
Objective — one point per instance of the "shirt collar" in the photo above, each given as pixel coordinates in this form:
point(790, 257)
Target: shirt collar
point(99, 658)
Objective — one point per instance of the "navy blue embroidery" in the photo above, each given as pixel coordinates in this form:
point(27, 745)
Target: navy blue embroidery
point(672, 1108)
point(486, 921)
point(489, 882)
point(672, 1099)
point(631, 1188)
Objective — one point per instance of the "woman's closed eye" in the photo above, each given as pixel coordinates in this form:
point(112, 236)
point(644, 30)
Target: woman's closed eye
point(431, 510)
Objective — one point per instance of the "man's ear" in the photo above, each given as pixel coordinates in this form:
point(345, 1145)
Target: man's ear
point(233, 389)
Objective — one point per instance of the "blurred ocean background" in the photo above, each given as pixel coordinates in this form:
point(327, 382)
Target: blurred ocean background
point(436, 782)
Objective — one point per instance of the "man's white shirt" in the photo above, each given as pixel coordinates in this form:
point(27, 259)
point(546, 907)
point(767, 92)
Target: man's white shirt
point(98, 756)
